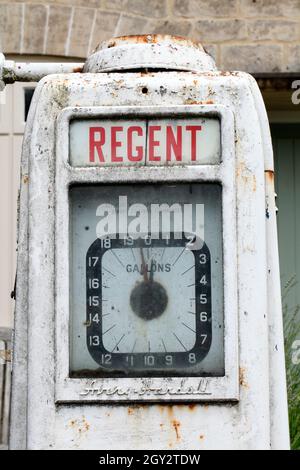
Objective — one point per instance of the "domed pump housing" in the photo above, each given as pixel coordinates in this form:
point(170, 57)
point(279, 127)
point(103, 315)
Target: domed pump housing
point(151, 51)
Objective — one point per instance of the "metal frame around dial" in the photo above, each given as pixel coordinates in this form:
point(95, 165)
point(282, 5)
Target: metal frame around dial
point(155, 389)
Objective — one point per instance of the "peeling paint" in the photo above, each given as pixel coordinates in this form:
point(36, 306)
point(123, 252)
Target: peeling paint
point(242, 377)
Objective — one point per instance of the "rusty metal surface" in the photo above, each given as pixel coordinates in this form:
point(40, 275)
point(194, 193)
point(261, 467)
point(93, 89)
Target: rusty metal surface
point(11, 72)
point(149, 52)
point(149, 39)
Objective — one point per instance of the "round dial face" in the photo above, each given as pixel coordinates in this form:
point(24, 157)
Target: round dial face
point(148, 304)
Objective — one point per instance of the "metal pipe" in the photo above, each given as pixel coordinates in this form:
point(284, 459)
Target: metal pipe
point(11, 71)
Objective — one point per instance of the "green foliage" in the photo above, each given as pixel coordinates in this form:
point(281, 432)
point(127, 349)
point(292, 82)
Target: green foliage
point(291, 333)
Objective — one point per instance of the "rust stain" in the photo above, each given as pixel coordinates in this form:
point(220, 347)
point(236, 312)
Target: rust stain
point(242, 377)
point(246, 175)
point(81, 425)
point(145, 73)
point(201, 437)
point(170, 410)
point(149, 39)
point(176, 425)
point(134, 408)
point(25, 179)
point(5, 355)
point(86, 426)
point(78, 69)
point(192, 406)
point(270, 176)
point(228, 74)
point(190, 101)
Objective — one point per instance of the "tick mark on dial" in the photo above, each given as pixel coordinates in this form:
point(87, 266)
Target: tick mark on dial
point(118, 342)
point(116, 256)
point(133, 347)
point(134, 258)
point(187, 270)
point(184, 324)
point(180, 341)
point(109, 272)
point(163, 343)
point(108, 329)
point(178, 256)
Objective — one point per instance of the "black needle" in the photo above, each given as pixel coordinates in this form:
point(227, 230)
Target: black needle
point(144, 266)
point(151, 271)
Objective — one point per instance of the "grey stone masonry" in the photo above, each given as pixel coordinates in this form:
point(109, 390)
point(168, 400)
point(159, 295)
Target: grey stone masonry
point(251, 35)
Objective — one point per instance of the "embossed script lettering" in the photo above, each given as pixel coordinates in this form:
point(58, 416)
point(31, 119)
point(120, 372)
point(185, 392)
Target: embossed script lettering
point(147, 388)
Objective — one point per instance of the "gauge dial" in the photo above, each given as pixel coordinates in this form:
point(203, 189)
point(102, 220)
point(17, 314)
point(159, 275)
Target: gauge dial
point(148, 304)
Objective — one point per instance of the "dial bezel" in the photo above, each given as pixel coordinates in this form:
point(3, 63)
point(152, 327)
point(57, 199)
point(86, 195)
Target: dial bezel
point(155, 363)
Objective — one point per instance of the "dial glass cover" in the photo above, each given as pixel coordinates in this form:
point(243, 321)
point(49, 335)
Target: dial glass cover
point(146, 293)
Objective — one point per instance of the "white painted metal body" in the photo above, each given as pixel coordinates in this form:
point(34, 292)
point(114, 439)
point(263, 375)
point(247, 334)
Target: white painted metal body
point(247, 408)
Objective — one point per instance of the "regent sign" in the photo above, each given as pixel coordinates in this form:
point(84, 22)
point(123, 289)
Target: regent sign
point(151, 142)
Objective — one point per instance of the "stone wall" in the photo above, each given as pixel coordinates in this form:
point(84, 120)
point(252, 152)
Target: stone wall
point(251, 35)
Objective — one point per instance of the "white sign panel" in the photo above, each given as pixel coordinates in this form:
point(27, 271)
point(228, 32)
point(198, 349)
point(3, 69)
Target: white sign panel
point(145, 142)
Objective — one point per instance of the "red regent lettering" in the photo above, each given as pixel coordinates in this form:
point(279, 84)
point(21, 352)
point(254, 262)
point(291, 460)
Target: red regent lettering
point(153, 143)
point(115, 143)
point(193, 130)
point(164, 142)
point(174, 144)
point(96, 143)
point(138, 157)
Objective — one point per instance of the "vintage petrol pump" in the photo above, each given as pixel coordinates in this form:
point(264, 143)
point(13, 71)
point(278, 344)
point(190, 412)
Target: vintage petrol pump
point(148, 310)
